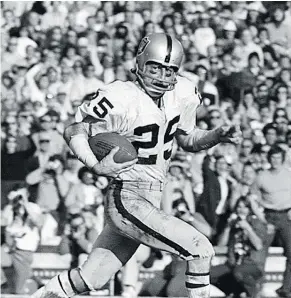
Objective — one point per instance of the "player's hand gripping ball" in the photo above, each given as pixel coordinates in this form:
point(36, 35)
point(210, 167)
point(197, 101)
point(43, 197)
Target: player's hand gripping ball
point(102, 143)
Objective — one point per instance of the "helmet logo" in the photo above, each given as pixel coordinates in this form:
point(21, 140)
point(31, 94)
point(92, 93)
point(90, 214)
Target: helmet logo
point(143, 44)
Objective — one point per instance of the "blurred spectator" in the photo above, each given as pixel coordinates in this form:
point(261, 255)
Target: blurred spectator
point(22, 221)
point(11, 55)
point(13, 166)
point(77, 238)
point(270, 133)
point(247, 240)
point(131, 270)
point(204, 36)
point(87, 192)
point(279, 31)
point(245, 184)
point(214, 202)
point(273, 187)
point(179, 184)
point(56, 141)
point(52, 188)
point(181, 210)
point(72, 168)
point(214, 117)
point(247, 46)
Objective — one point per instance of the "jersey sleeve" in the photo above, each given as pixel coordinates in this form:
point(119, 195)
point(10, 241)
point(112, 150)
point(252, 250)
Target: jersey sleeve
point(190, 99)
point(106, 112)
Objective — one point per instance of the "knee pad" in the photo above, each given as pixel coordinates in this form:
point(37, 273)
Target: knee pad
point(202, 248)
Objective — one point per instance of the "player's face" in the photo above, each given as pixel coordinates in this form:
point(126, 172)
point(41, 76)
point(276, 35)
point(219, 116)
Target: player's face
point(160, 77)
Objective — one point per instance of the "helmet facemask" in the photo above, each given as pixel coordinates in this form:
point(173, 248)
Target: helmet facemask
point(156, 79)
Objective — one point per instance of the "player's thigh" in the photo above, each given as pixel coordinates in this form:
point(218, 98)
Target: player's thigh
point(138, 218)
point(110, 252)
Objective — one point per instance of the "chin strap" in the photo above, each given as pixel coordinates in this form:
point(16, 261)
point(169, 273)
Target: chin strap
point(154, 89)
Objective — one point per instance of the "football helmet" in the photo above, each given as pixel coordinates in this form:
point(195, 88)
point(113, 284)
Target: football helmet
point(164, 50)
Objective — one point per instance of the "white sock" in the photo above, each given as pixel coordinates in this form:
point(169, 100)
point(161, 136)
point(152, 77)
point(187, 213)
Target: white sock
point(197, 285)
point(57, 287)
point(203, 292)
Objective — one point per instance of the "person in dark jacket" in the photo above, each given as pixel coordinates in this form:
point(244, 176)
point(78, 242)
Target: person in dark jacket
point(213, 204)
point(13, 166)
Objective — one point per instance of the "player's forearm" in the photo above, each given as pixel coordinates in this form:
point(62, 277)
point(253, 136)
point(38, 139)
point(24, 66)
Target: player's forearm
point(76, 136)
point(198, 139)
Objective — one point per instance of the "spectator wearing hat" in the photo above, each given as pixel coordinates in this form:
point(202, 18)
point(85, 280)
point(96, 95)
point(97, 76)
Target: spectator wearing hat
point(247, 46)
point(273, 187)
point(254, 14)
point(229, 34)
point(204, 36)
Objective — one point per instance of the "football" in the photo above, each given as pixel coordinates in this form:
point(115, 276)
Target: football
point(102, 143)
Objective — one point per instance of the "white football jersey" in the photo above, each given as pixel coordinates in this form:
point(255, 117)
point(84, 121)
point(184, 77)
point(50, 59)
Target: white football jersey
point(124, 108)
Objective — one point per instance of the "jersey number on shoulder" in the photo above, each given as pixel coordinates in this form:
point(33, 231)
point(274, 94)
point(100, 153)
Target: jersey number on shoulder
point(154, 130)
point(101, 110)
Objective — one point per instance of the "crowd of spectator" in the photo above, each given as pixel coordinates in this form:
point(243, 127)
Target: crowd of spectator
point(56, 54)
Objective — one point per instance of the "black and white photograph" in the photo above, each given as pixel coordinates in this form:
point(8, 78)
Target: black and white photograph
point(146, 149)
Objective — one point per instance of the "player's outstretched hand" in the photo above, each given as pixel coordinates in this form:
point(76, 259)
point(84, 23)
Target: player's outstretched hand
point(108, 167)
point(231, 134)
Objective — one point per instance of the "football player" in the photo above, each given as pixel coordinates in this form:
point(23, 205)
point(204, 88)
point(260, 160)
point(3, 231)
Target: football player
point(150, 112)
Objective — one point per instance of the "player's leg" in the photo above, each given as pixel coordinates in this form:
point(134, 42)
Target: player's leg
point(110, 252)
point(137, 217)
